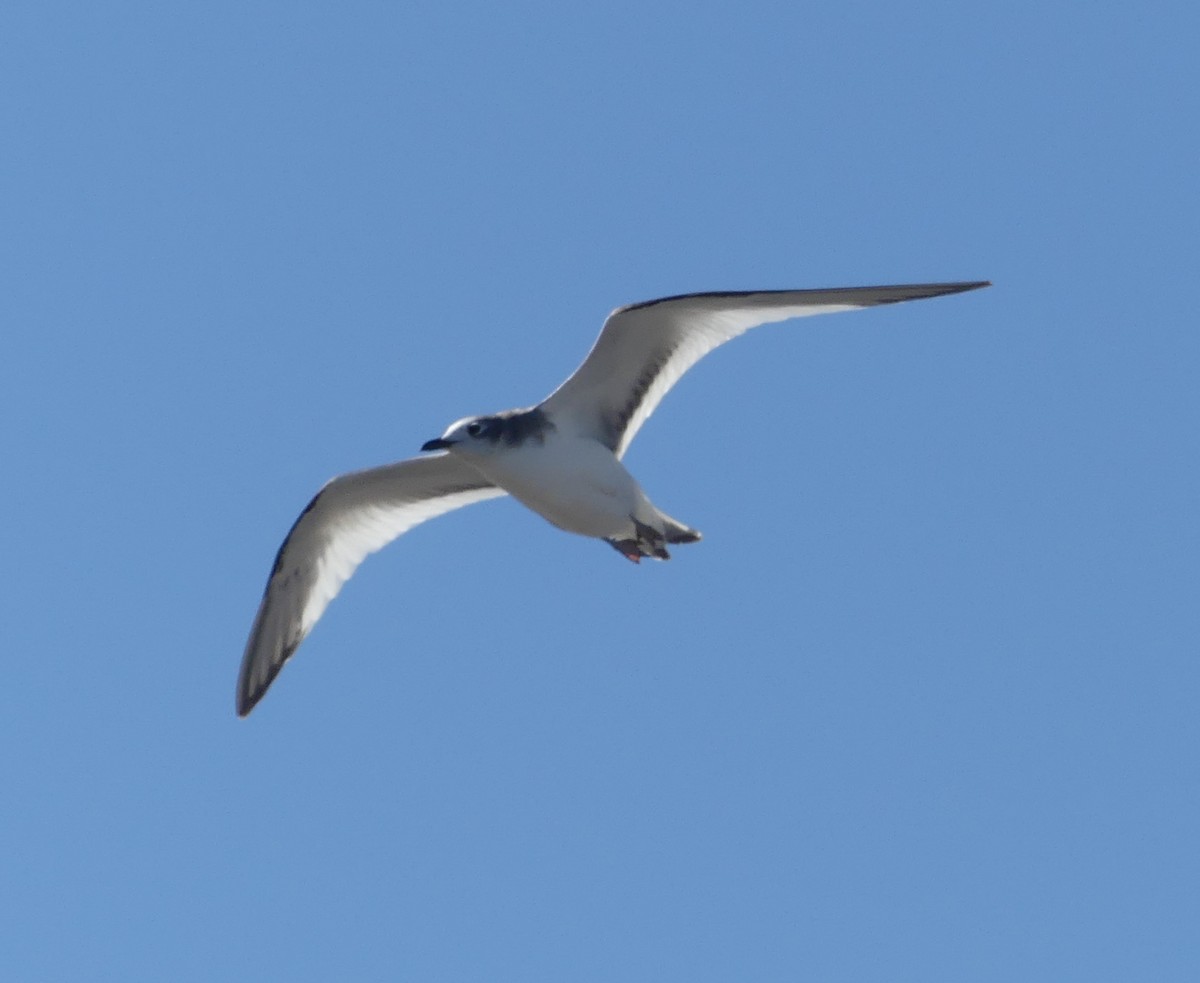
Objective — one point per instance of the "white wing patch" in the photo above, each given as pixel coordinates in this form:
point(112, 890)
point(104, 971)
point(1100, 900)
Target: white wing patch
point(351, 517)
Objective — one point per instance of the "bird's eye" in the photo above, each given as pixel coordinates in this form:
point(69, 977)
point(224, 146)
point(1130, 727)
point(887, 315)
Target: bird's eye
point(475, 429)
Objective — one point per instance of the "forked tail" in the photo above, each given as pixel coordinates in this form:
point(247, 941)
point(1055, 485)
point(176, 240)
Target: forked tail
point(648, 541)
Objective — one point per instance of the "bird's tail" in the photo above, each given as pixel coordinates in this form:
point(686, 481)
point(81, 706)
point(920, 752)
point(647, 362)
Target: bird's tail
point(677, 532)
point(649, 541)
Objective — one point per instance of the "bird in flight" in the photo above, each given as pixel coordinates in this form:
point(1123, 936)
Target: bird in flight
point(560, 458)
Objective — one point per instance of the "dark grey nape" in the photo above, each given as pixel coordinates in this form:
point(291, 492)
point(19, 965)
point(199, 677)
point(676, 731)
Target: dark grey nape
point(515, 427)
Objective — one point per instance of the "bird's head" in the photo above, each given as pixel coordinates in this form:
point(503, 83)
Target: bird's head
point(470, 435)
point(500, 432)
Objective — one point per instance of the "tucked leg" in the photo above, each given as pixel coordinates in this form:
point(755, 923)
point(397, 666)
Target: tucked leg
point(627, 548)
point(650, 541)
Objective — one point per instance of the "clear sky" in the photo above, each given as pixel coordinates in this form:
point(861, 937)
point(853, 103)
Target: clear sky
point(922, 705)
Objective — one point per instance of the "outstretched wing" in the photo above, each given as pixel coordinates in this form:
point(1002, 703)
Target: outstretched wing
point(352, 516)
point(644, 349)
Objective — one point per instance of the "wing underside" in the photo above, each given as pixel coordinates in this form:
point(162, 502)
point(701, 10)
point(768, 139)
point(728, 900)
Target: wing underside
point(644, 349)
point(351, 517)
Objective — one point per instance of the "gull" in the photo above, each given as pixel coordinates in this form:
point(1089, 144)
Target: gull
point(560, 458)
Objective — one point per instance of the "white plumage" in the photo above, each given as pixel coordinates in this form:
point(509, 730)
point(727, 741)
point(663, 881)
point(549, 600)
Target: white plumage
point(560, 458)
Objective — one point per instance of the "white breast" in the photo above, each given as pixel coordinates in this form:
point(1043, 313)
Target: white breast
point(574, 482)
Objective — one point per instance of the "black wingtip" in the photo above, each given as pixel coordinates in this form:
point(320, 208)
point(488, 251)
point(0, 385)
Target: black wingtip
point(247, 701)
point(249, 697)
point(926, 291)
point(903, 292)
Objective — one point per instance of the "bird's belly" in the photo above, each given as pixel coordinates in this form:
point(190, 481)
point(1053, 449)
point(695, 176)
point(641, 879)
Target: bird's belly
point(579, 489)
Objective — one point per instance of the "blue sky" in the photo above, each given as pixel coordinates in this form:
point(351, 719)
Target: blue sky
point(922, 705)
